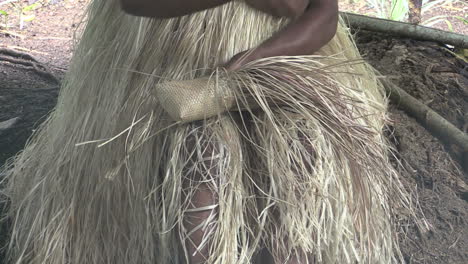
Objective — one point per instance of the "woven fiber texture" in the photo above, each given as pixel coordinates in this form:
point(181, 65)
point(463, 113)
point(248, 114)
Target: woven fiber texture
point(196, 99)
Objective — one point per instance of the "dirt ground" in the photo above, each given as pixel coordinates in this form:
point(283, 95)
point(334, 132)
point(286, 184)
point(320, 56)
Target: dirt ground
point(50, 35)
point(433, 75)
point(432, 169)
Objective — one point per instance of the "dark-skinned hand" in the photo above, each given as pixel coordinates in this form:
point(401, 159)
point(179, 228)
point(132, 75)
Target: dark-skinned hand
point(280, 8)
point(312, 24)
point(312, 28)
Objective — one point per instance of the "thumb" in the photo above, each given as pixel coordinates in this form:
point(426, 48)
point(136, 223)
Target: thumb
point(239, 60)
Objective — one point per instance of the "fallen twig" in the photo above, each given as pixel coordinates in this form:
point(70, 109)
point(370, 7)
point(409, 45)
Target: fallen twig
point(54, 38)
point(405, 30)
point(17, 54)
point(32, 65)
point(12, 34)
point(427, 117)
point(27, 50)
point(414, 14)
point(7, 2)
point(8, 123)
point(26, 60)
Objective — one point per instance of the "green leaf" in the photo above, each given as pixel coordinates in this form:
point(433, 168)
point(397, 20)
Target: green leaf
point(462, 19)
point(28, 18)
point(30, 7)
point(3, 13)
point(398, 10)
point(449, 25)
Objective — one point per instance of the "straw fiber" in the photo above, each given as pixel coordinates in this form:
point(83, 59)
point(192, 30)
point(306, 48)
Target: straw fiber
point(299, 164)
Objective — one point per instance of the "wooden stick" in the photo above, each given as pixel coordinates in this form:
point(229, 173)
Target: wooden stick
point(11, 33)
point(432, 121)
point(8, 123)
point(26, 50)
point(13, 56)
point(7, 2)
point(18, 54)
point(405, 30)
point(414, 14)
point(33, 66)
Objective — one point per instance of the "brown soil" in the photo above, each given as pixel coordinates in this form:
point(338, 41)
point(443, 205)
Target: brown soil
point(49, 36)
point(432, 169)
point(434, 76)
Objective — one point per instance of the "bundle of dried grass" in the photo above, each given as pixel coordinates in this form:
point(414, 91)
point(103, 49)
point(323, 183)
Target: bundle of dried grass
point(303, 170)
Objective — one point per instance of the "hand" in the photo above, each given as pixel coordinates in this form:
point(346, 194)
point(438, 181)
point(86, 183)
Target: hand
point(242, 58)
point(280, 8)
point(303, 36)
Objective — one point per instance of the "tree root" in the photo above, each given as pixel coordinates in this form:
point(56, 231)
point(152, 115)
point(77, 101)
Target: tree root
point(427, 117)
point(27, 60)
point(405, 30)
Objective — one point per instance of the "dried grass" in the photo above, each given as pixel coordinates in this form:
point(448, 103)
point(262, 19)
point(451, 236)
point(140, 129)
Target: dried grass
point(306, 171)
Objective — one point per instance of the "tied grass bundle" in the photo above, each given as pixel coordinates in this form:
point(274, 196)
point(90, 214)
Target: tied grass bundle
point(317, 161)
point(325, 165)
point(194, 100)
point(303, 170)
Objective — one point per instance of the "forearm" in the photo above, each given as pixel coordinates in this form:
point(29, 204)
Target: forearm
point(167, 8)
point(306, 35)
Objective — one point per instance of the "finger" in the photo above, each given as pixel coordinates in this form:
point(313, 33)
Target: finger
point(241, 59)
point(298, 7)
point(263, 6)
point(232, 65)
point(304, 4)
point(292, 8)
point(236, 62)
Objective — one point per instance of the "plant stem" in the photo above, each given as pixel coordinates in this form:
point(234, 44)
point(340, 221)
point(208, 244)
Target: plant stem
point(414, 14)
point(7, 2)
